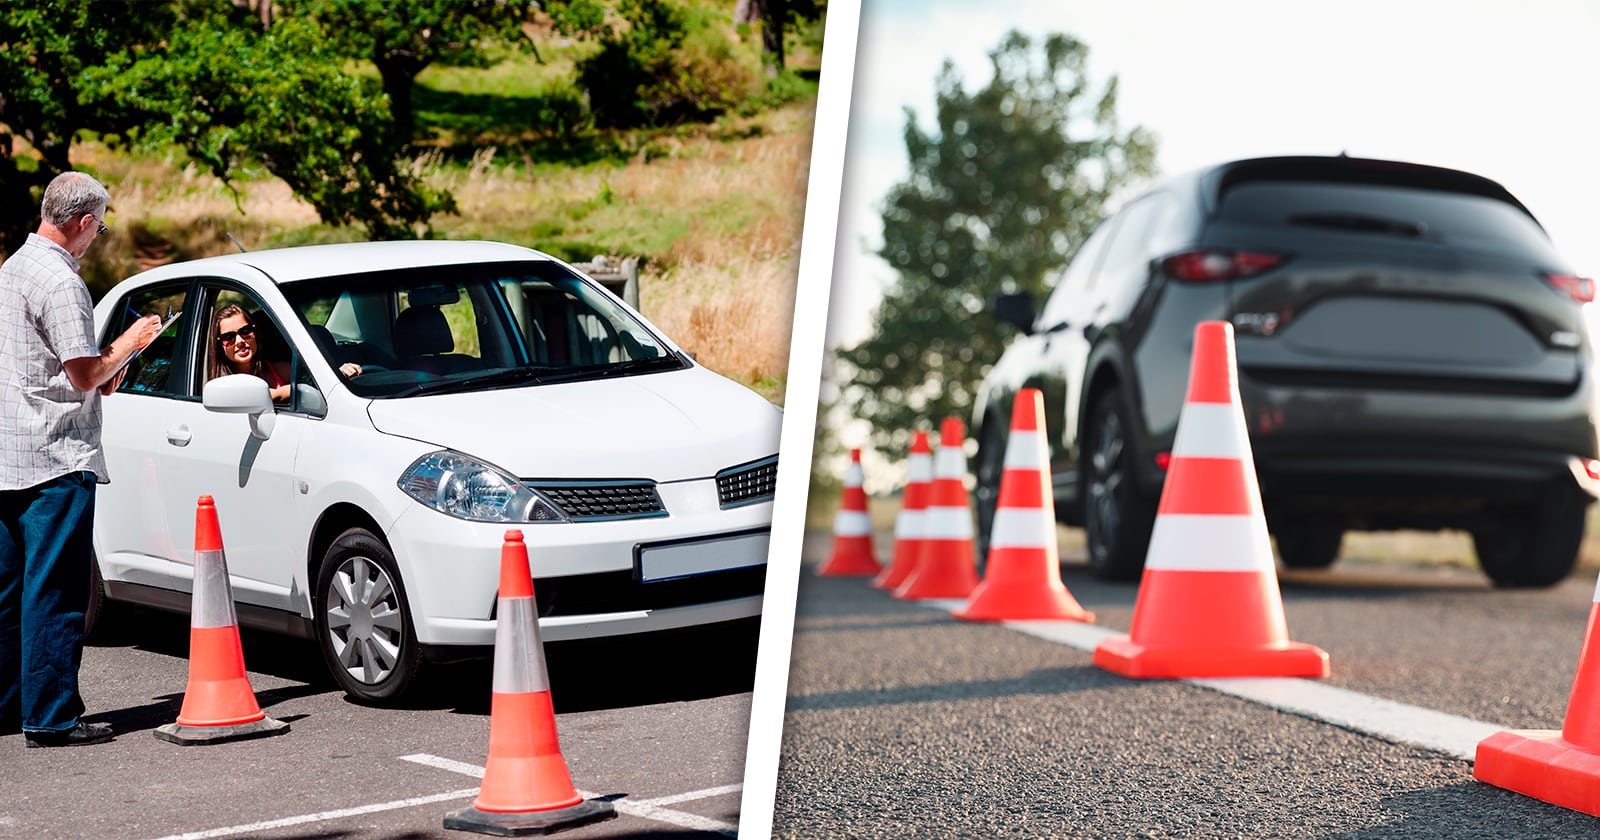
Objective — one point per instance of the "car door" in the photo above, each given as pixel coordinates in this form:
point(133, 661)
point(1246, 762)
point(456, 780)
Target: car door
point(133, 536)
point(252, 481)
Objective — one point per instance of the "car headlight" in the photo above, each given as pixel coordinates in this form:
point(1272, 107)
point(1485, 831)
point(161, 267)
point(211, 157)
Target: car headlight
point(467, 488)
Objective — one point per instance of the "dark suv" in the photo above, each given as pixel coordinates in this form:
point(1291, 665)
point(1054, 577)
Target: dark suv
point(1412, 353)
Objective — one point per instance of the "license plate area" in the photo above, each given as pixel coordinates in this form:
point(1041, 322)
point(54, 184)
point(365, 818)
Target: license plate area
point(699, 556)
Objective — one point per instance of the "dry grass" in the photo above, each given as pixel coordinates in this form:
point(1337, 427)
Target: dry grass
point(716, 215)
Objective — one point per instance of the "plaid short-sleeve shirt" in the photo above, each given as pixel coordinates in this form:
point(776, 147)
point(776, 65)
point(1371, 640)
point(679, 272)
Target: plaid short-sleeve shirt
point(48, 428)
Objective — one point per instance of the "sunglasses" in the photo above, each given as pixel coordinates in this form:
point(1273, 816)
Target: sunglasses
point(231, 336)
point(103, 229)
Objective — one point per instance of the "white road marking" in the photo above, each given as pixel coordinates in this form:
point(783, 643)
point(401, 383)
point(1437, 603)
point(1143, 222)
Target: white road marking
point(650, 809)
point(1387, 719)
point(324, 816)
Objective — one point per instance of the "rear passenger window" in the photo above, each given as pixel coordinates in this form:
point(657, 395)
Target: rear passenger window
point(1443, 217)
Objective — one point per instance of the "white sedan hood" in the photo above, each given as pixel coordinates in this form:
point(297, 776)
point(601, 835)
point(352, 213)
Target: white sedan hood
point(667, 426)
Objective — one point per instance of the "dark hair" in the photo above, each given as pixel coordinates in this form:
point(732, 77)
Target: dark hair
point(219, 361)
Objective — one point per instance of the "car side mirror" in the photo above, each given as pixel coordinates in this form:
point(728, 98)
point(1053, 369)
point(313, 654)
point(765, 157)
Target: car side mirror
point(242, 393)
point(1016, 309)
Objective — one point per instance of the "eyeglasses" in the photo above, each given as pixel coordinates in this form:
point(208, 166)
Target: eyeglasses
point(229, 337)
point(103, 229)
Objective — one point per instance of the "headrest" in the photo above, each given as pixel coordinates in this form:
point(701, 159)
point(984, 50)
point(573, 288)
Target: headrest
point(422, 331)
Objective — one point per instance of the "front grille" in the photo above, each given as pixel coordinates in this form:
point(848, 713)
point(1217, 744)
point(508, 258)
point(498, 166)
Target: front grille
point(592, 501)
point(749, 483)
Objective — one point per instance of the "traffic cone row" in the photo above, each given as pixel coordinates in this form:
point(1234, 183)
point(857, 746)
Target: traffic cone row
point(1208, 604)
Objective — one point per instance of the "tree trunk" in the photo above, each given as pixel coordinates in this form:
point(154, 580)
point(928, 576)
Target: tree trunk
point(770, 14)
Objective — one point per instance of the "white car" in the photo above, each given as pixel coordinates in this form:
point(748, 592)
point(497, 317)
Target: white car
point(499, 389)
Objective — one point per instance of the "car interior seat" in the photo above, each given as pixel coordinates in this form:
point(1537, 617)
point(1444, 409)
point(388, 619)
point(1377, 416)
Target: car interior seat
point(423, 341)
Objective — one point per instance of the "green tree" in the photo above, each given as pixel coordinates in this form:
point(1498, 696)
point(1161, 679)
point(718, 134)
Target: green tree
point(404, 37)
point(230, 96)
point(199, 74)
point(45, 47)
point(1015, 177)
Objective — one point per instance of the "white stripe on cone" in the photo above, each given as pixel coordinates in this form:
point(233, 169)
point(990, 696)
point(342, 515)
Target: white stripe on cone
point(1209, 543)
point(1212, 430)
point(1022, 528)
point(909, 524)
point(213, 596)
point(852, 523)
point(518, 653)
point(947, 523)
point(1025, 452)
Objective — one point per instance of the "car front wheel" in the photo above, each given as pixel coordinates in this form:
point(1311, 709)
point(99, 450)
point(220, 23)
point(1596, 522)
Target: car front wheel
point(1537, 547)
point(362, 620)
point(1117, 516)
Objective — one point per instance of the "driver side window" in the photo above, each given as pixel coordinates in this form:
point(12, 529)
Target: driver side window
point(241, 336)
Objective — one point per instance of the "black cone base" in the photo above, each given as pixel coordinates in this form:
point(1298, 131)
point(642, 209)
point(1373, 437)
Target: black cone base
point(188, 736)
point(524, 823)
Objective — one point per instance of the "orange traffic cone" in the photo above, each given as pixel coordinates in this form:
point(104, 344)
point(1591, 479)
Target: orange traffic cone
point(219, 705)
point(852, 529)
point(1559, 767)
point(526, 788)
point(1022, 578)
point(1208, 604)
point(947, 567)
point(908, 524)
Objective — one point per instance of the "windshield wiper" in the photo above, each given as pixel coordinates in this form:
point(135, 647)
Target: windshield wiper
point(507, 376)
point(1359, 222)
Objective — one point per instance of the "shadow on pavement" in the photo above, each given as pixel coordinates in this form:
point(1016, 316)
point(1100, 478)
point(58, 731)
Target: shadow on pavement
point(1051, 682)
point(1457, 811)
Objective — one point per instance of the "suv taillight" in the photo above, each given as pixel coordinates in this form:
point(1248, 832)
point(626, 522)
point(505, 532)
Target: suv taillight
point(1580, 289)
point(1205, 265)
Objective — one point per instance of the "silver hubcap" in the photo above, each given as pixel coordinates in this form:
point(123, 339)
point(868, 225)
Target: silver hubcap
point(364, 620)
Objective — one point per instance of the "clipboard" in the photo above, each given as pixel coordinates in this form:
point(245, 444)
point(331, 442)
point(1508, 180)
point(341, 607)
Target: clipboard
point(164, 324)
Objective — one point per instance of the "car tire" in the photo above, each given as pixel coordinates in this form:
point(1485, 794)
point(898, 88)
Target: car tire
point(1117, 515)
point(1308, 546)
point(1533, 548)
point(988, 468)
point(363, 622)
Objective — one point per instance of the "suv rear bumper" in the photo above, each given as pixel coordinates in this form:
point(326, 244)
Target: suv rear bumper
point(1411, 484)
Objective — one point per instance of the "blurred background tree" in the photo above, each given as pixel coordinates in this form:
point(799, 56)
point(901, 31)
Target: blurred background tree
point(1005, 187)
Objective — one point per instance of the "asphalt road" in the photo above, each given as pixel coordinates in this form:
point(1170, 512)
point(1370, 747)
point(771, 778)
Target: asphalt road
point(657, 727)
point(904, 722)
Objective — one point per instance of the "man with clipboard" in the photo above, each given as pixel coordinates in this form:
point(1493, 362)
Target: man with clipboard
point(52, 376)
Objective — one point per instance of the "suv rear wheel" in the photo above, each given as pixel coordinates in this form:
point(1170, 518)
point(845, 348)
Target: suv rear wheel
point(1306, 545)
point(1532, 547)
point(988, 467)
point(1117, 516)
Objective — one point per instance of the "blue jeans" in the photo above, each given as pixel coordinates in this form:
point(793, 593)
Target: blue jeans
point(45, 552)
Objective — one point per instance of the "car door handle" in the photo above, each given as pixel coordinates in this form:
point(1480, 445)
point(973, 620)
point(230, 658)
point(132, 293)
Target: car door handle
point(179, 436)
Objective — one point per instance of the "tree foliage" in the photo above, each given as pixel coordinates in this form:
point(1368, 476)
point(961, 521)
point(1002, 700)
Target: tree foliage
point(404, 37)
point(1013, 179)
point(202, 75)
point(659, 62)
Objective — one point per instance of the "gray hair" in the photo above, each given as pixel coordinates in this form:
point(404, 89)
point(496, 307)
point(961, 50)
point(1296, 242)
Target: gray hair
point(70, 195)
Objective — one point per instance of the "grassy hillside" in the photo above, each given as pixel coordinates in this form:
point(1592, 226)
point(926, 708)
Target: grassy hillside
point(714, 211)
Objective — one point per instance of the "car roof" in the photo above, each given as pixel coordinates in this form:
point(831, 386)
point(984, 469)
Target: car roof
point(305, 262)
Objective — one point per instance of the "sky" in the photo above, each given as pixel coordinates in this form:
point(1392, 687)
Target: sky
point(1505, 90)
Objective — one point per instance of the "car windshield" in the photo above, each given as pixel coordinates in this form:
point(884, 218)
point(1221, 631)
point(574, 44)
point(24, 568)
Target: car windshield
point(454, 328)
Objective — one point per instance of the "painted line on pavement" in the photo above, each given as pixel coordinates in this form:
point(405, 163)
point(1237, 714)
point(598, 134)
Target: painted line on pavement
point(650, 809)
point(1386, 719)
point(324, 816)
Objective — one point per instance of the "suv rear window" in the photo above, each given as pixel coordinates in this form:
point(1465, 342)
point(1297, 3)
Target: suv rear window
point(1446, 218)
